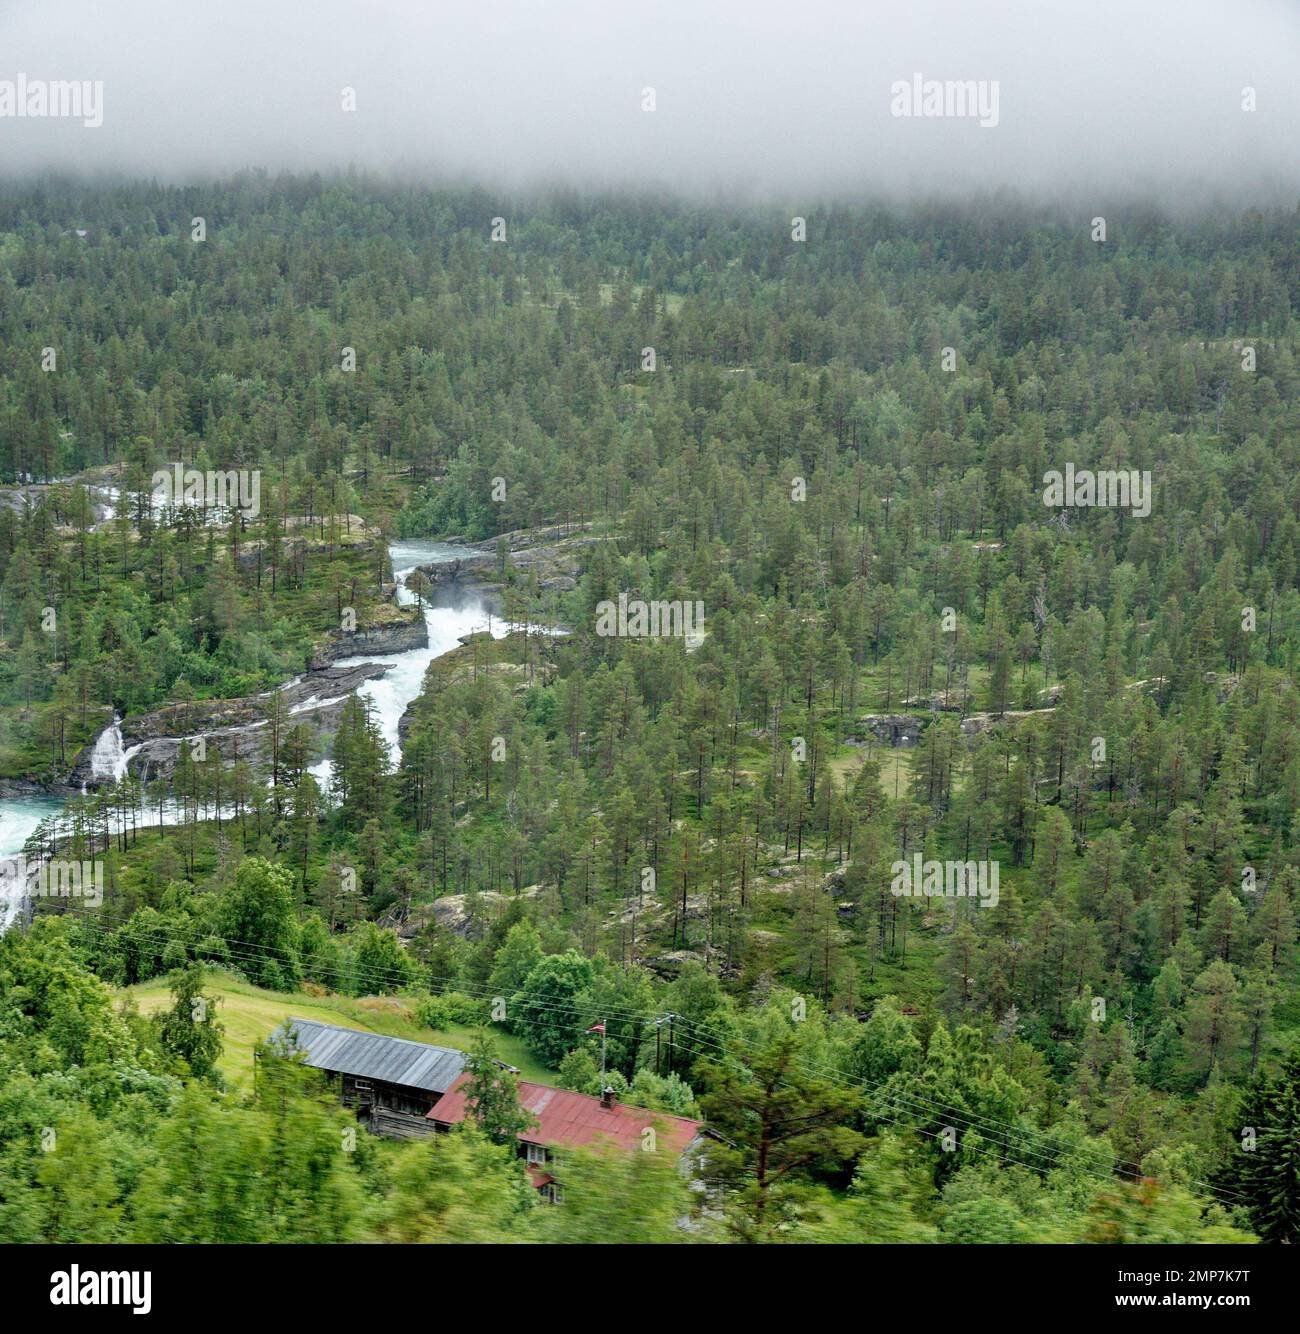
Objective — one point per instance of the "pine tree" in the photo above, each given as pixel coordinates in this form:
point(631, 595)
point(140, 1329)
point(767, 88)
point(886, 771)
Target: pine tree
point(1264, 1167)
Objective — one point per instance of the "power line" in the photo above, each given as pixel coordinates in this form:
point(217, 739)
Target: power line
point(992, 1129)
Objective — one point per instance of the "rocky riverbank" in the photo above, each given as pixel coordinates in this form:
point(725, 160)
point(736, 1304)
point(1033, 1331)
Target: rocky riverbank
point(235, 728)
point(26, 787)
point(400, 635)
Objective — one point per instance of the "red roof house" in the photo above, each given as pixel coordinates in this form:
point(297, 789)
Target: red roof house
point(573, 1120)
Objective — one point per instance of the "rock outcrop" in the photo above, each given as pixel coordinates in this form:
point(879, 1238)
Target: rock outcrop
point(452, 912)
point(399, 636)
point(893, 729)
point(235, 728)
point(555, 556)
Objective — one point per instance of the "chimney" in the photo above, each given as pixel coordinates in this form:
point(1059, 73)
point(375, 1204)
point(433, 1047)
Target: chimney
point(607, 1097)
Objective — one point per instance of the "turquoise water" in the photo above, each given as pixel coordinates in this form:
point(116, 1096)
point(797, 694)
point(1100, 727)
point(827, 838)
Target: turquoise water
point(19, 817)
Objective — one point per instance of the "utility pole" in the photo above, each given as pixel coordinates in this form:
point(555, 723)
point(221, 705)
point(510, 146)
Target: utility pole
point(658, 1026)
point(600, 1028)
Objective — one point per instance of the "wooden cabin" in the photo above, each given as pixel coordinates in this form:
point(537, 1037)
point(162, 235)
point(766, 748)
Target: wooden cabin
point(391, 1083)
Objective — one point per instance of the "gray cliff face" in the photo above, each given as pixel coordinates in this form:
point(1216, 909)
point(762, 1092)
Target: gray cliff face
point(29, 787)
point(904, 729)
point(400, 637)
point(893, 729)
point(237, 729)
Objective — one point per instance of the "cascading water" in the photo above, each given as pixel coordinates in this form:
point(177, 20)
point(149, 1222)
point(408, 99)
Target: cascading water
point(391, 693)
point(13, 897)
point(109, 758)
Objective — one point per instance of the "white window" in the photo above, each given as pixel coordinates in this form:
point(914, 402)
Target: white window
point(536, 1154)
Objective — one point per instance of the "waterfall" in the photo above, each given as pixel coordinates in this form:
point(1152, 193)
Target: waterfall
point(108, 759)
point(390, 694)
point(13, 891)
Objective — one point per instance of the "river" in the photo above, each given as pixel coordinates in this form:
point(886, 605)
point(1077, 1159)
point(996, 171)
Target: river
point(453, 612)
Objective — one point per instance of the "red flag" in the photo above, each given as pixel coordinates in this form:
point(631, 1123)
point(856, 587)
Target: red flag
point(596, 1028)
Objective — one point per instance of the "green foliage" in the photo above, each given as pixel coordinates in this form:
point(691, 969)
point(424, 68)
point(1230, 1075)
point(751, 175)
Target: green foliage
point(189, 1030)
point(545, 1011)
point(492, 1094)
point(379, 963)
point(458, 1188)
point(779, 1125)
point(615, 1197)
point(1264, 1168)
point(450, 1008)
point(655, 851)
point(258, 913)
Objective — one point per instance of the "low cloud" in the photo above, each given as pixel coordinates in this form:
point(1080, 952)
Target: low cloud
point(771, 99)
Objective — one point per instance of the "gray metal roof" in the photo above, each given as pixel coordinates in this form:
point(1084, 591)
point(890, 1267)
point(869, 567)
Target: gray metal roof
point(349, 1051)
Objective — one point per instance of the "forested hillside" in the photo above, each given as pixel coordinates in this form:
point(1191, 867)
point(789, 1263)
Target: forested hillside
point(833, 439)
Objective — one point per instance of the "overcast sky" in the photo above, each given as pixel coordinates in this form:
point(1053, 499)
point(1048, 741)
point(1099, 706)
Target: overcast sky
point(779, 99)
